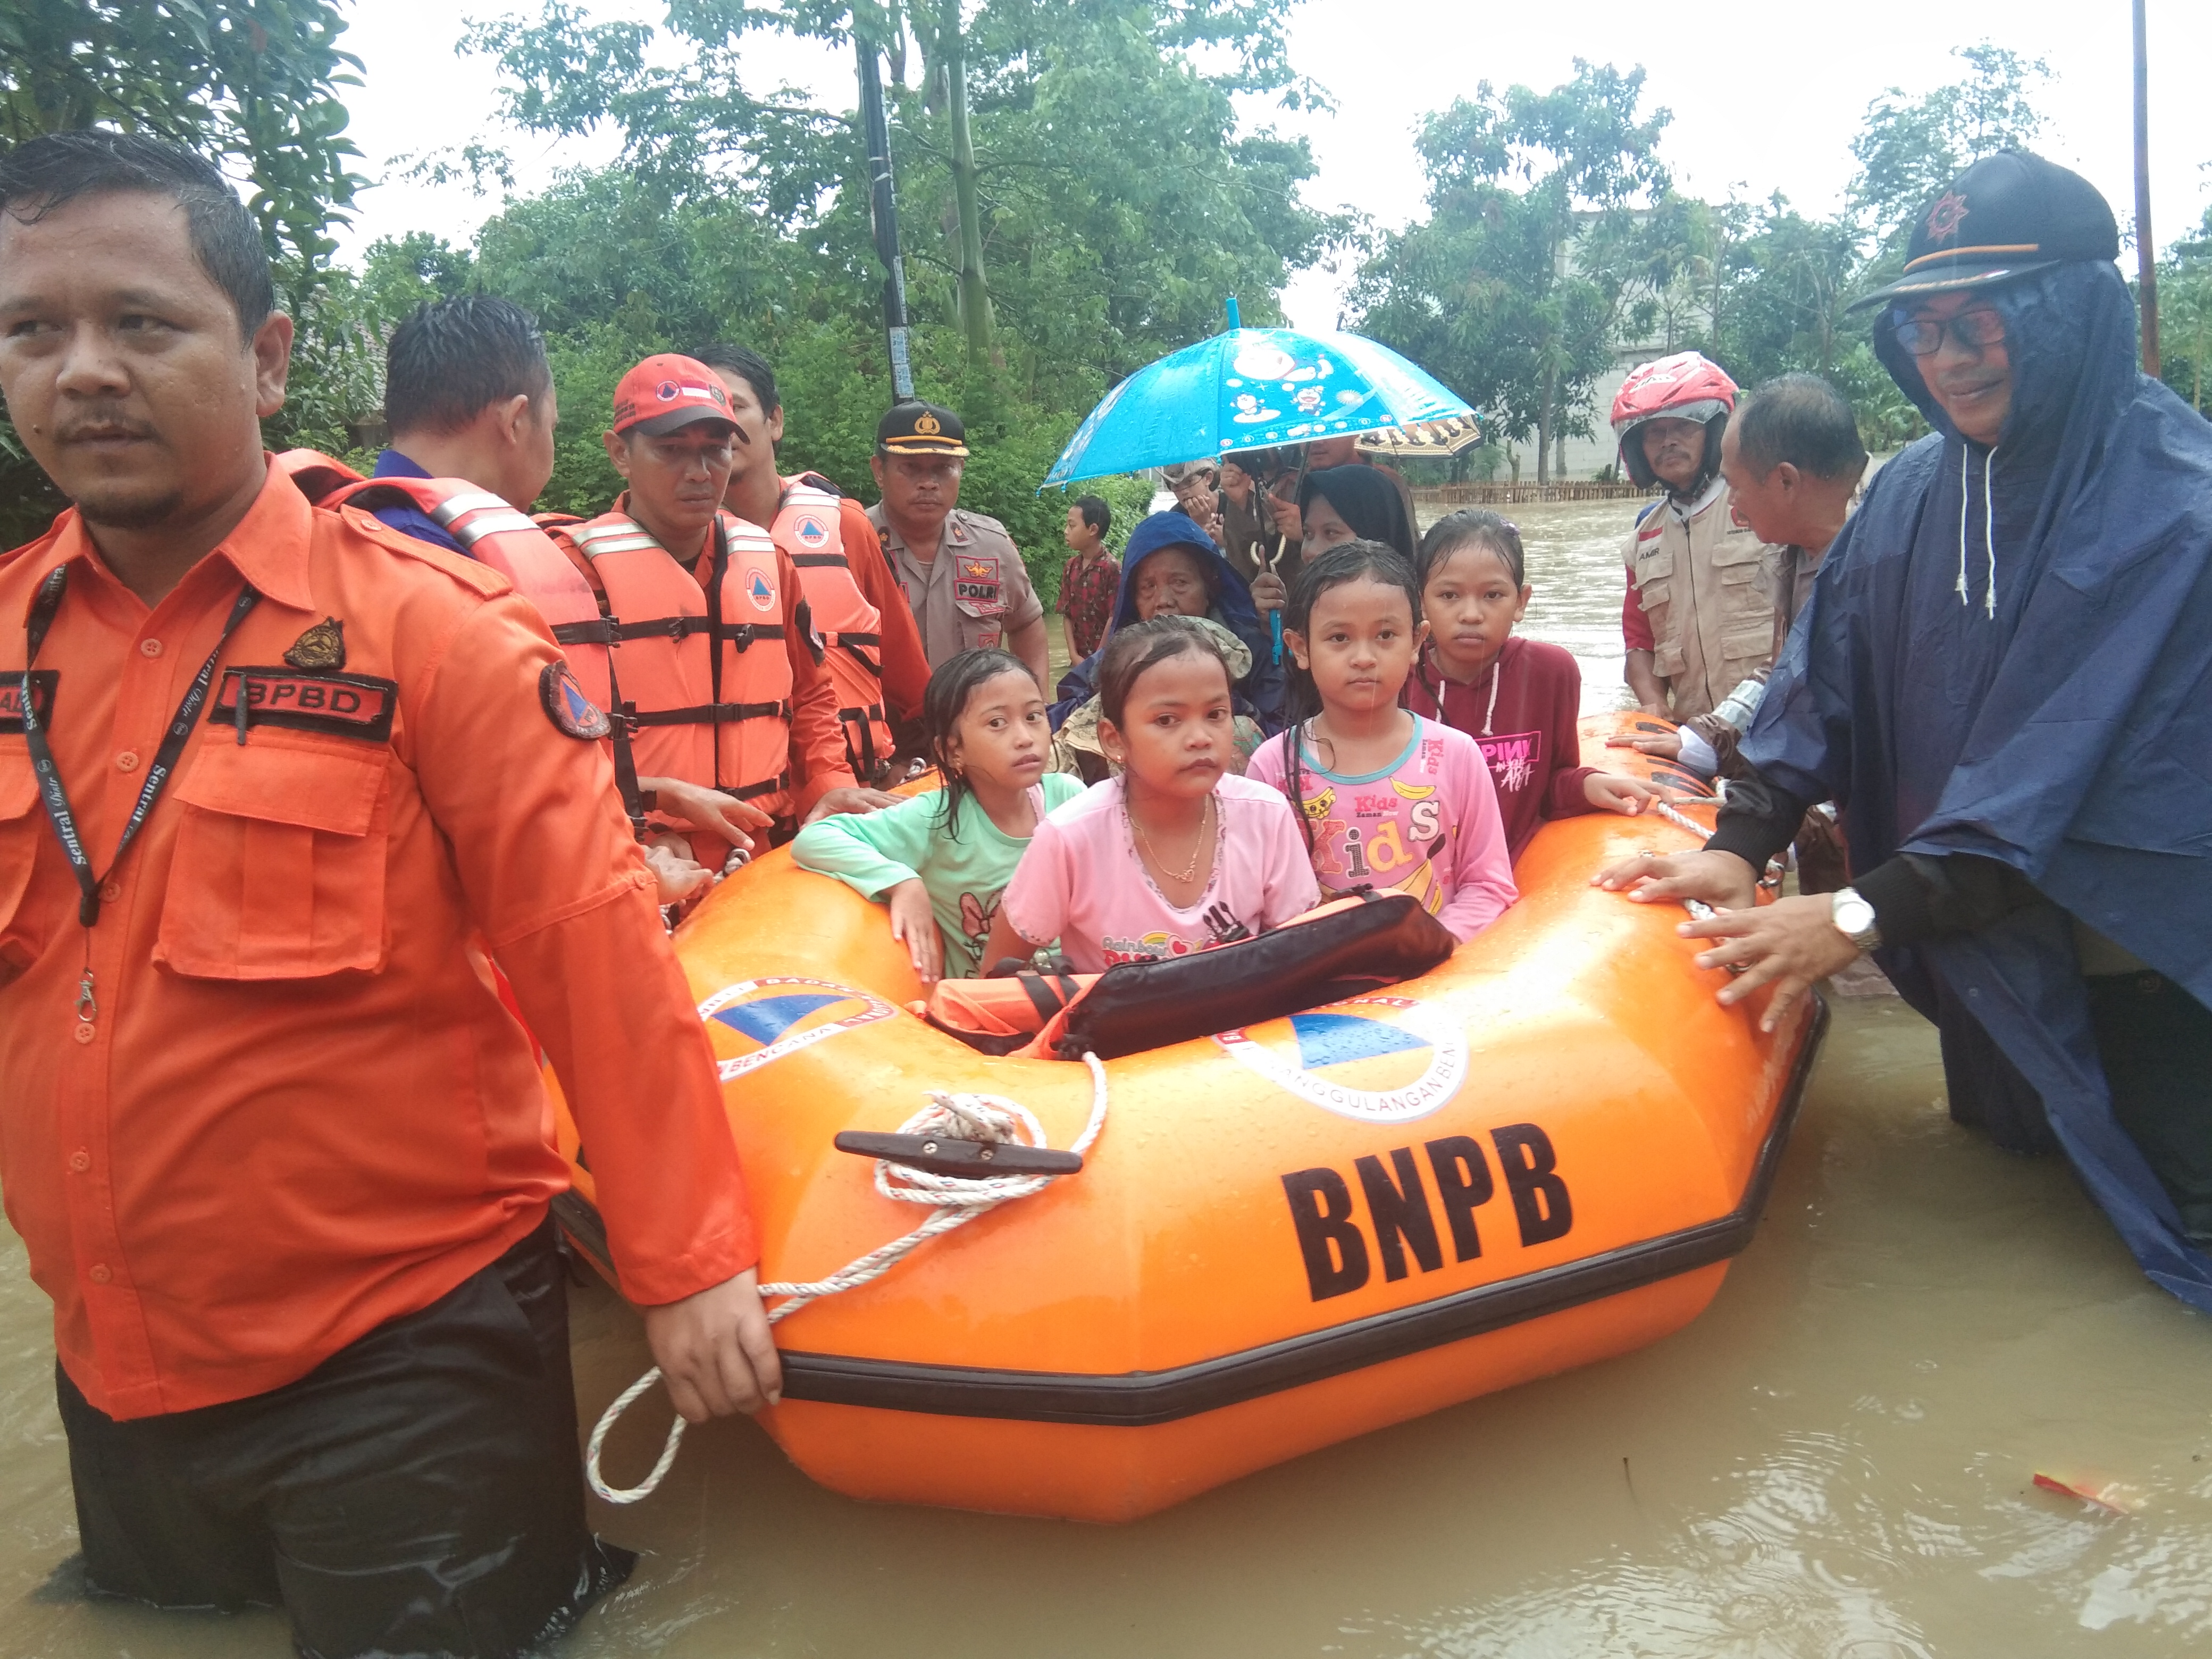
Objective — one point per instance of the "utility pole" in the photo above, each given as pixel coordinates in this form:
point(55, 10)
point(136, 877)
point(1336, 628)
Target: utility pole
point(882, 213)
point(2146, 244)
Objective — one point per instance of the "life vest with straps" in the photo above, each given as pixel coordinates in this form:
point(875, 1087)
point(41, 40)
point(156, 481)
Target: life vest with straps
point(491, 530)
point(701, 680)
point(807, 527)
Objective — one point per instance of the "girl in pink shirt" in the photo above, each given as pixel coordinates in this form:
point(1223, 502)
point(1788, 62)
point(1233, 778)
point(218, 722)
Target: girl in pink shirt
point(1176, 855)
point(1389, 800)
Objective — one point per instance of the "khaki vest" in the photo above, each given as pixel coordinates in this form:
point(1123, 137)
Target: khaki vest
point(1705, 592)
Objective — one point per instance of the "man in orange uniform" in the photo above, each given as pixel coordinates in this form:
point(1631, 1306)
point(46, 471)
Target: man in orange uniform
point(720, 672)
point(839, 560)
point(272, 780)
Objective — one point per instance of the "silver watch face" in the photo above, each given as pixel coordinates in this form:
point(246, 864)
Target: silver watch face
point(1853, 914)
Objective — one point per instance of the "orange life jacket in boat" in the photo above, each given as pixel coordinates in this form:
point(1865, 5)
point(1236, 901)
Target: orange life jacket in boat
point(850, 627)
point(703, 681)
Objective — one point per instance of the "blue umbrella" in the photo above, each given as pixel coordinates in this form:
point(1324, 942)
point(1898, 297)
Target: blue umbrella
point(1250, 388)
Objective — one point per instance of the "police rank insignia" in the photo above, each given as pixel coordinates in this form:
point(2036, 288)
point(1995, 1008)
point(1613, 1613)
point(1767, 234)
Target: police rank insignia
point(321, 648)
point(573, 713)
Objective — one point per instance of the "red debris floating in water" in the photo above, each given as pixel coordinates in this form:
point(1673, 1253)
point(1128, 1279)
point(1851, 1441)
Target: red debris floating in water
point(2067, 1489)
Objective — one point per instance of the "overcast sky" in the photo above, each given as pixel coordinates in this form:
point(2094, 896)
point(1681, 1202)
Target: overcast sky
point(1765, 96)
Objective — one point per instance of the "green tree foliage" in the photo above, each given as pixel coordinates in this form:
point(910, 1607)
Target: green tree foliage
point(1516, 288)
point(1117, 201)
point(254, 84)
point(2184, 314)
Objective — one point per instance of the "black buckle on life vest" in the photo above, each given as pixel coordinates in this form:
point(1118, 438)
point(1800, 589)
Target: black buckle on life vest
point(678, 628)
point(780, 782)
point(707, 713)
point(600, 630)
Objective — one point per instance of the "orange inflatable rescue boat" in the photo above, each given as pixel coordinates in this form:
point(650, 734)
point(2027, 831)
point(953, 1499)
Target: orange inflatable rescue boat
point(1539, 1154)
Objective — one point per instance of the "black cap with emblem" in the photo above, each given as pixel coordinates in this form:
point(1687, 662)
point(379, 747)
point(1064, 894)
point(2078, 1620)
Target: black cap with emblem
point(918, 428)
point(2008, 214)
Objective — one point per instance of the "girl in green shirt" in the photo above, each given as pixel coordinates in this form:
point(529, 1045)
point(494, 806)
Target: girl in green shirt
point(942, 860)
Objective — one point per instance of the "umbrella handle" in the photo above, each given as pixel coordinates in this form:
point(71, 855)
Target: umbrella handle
point(1275, 626)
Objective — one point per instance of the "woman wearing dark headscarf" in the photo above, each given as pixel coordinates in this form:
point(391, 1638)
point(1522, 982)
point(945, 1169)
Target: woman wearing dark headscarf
point(1337, 505)
point(2000, 676)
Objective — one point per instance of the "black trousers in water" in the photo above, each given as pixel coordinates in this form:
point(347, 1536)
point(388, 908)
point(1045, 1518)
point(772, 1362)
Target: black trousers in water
point(2154, 1040)
point(418, 1493)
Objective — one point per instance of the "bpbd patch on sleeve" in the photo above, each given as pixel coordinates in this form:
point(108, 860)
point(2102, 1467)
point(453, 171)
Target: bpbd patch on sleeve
point(342, 705)
point(43, 684)
point(573, 713)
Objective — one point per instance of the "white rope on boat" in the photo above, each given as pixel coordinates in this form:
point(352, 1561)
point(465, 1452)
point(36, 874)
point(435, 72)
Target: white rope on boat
point(954, 1202)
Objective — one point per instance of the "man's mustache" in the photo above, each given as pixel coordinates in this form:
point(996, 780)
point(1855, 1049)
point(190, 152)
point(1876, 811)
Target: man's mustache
point(101, 422)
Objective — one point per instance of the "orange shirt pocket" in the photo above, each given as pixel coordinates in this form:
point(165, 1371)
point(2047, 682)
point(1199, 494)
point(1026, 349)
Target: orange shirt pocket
point(22, 820)
point(279, 868)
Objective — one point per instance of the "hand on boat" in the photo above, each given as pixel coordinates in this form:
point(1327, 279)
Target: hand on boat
point(1668, 745)
point(913, 924)
point(1717, 878)
point(709, 811)
point(715, 1351)
point(851, 800)
point(1608, 792)
point(675, 872)
point(1787, 944)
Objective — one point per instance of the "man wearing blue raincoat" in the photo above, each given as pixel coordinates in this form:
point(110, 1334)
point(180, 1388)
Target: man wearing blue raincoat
point(2004, 677)
point(1172, 567)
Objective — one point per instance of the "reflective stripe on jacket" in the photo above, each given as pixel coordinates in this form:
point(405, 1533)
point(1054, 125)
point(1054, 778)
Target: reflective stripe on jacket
point(849, 627)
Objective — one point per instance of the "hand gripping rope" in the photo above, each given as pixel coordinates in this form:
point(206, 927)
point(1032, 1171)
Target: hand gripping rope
point(955, 1201)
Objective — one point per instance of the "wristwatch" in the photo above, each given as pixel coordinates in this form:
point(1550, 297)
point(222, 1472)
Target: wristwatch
point(1854, 919)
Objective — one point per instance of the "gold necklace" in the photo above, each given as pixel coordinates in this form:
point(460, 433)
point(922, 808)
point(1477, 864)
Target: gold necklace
point(1189, 871)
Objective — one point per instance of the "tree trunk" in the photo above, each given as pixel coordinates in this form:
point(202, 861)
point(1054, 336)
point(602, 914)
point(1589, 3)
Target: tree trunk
point(974, 296)
point(1544, 431)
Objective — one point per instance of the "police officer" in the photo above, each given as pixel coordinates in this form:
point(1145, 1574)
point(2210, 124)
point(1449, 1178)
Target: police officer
point(273, 781)
point(962, 573)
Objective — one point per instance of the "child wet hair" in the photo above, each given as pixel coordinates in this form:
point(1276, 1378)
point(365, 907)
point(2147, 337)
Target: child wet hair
point(1140, 646)
point(943, 702)
point(1349, 562)
point(1471, 526)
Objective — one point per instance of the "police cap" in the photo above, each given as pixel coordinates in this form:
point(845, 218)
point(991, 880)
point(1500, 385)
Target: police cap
point(920, 429)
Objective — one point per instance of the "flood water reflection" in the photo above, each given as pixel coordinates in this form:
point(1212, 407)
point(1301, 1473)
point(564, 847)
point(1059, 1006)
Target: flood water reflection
point(1837, 1460)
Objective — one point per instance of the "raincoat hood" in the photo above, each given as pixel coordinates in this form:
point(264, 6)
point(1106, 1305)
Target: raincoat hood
point(1261, 686)
point(2007, 654)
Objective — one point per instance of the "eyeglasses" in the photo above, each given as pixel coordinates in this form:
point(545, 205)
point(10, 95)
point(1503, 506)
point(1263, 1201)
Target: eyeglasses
point(1972, 331)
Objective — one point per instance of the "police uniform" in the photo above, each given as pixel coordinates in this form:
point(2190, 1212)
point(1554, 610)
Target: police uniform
point(974, 593)
point(276, 1150)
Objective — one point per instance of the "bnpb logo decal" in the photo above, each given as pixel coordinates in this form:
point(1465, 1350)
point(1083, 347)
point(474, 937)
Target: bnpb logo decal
point(812, 532)
point(1352, 1059)
point(760, 591)
point(757, 1020)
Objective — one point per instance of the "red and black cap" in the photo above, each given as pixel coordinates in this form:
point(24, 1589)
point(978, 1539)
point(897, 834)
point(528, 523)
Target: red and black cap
point(666, 391)
point(920, 429)
point(2004, 217)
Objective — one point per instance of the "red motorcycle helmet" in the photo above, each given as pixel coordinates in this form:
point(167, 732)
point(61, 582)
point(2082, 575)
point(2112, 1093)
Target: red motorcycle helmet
point(1687, 387)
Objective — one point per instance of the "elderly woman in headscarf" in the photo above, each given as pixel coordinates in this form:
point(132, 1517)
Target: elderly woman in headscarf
point(1172, 567)
point(2002, 677)
point(1337, 505)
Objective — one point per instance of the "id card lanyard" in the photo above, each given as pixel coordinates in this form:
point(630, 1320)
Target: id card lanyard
point(43, 610)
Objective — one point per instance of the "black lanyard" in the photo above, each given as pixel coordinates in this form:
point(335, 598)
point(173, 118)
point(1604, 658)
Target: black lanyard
point(164, 758)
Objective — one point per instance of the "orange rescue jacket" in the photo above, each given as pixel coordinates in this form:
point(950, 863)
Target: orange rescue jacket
point(848, 625)
point(695, 693)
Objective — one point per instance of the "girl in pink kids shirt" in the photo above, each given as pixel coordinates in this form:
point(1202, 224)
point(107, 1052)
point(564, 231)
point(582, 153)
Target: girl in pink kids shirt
point(1176, 855)
point(1390, 800)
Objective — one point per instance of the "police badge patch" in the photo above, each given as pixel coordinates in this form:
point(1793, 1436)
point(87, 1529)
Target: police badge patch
point(573, 713)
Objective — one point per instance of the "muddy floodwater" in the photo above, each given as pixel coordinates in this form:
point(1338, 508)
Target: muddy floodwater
point(1837, 1459)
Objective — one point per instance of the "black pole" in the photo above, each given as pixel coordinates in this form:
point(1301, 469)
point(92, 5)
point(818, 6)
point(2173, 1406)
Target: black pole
point(882, 213)
point(2146, 245)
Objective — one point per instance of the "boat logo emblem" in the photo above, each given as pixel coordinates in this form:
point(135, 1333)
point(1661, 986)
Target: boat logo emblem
point(757, 1020)
point(1330, 1060)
